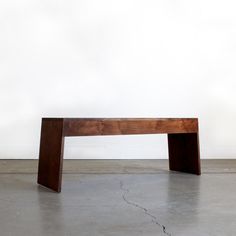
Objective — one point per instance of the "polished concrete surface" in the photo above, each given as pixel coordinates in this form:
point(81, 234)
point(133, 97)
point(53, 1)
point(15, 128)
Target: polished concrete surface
point(165, 203)
point(85, 166)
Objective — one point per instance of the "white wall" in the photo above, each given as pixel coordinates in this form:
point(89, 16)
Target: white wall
point(126, 58)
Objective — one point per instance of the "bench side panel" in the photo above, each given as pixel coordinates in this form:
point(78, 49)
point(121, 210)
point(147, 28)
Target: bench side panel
point(87, 127)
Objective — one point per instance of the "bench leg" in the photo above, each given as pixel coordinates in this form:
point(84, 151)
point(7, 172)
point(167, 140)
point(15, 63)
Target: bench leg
point(184, 153)
point(51, 154)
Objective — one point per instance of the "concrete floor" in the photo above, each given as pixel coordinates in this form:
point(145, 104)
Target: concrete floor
point(165, 203)
point(89, 166)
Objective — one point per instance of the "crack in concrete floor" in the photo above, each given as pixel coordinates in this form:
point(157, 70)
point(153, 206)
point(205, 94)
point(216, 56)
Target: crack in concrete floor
point(145, 210)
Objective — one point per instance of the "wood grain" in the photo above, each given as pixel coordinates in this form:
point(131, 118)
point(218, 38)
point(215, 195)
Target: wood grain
point(182, 134)
point(124, 126)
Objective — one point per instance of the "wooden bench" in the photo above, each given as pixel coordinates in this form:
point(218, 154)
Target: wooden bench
point(182, 134)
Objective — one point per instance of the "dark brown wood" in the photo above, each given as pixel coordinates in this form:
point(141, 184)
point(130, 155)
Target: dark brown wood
point(182, 140)
point(184, 153)
point(51, 154)
point(124, 126)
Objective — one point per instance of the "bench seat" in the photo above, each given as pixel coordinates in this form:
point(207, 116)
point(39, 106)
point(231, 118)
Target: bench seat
point(182, 133)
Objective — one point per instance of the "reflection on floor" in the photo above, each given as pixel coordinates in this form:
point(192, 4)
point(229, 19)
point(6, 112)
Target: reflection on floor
point(120, 204)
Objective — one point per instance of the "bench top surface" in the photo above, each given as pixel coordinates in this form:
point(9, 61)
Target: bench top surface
point(123, 126)
point(119, 119)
